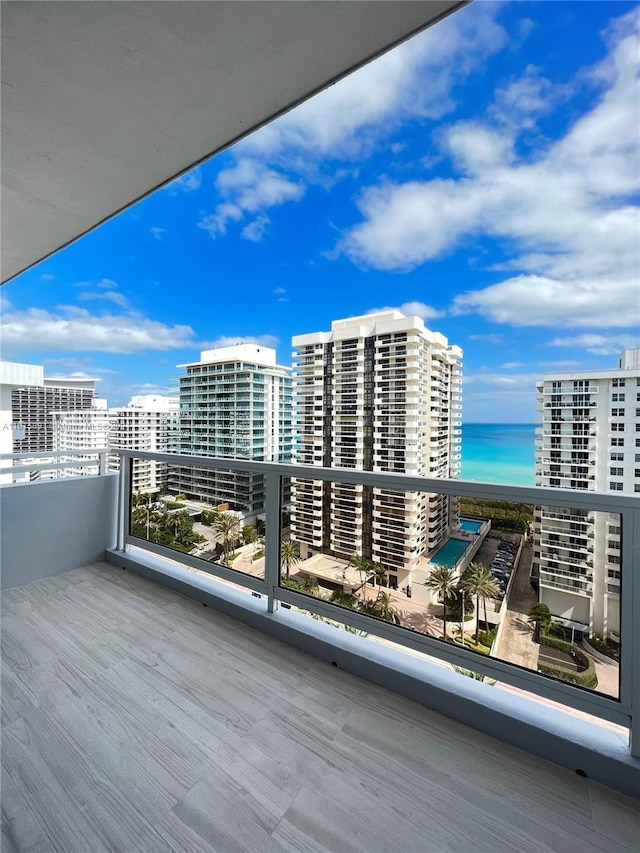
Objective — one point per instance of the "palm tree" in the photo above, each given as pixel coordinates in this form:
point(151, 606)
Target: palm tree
point(477, 580)
point(366, 569)
point(540, 615)
point(227, 525)
point(442, 580)
point(379, 573)
point(344, 599)
point(289, 554)
point(380, 607)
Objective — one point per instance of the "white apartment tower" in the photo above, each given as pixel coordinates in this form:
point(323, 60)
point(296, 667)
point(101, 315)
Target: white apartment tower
point(147, 422)
point(589, 439)
point(33, 406)
point(235, 403)
point(378, 393)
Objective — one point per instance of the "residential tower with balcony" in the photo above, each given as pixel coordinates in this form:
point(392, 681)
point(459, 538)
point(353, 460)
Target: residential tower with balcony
point(589, 440)
point(234, 403)
point(378, 392)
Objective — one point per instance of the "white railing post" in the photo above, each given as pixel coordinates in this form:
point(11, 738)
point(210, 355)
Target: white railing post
point(124, 495)
point(102, 463)
point(272, 532)
point(630, 626)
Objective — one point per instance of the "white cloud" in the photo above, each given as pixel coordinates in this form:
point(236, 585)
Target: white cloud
point(279, 291)
point(414, 79)
point(188, 182)
point(490, 338)
point(255, 230)
point(104, 283)
point(109, 296)
point(76, 330)
point(157, 233)
point(564, 214)
point(79, 364)
point(234, 340)
point(249, 187)
point(511, 365)
point(411, 309)
point(46, 277)
point(492, 379)
point(599, 344)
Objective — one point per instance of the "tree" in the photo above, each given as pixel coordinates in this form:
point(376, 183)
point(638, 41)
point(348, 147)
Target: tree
point(367, 569)
point(477, 580)
point(380, 607)
point(249, 534)
point(308, 586)
point(289, 555)
point(442, 581)
point(227, 525)
point(344, 599)
point(540, 615)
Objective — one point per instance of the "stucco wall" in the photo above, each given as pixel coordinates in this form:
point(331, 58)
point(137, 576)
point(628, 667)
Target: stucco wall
point(51, 527)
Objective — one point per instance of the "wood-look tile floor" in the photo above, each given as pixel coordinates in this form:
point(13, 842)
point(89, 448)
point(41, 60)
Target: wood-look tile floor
point(134, 719)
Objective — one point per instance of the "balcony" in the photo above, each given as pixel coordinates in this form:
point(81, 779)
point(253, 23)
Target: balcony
point(130, 708)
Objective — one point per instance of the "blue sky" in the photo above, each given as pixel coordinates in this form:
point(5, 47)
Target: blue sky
point(483, 175)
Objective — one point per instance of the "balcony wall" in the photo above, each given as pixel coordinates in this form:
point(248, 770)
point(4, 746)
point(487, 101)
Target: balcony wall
point(55, 525)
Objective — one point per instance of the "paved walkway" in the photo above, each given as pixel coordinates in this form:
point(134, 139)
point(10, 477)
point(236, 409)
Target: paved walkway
point(516, 640)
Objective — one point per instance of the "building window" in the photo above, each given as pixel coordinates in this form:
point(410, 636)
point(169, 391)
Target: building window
point(614, 559)
point(617, 413)
point(636, 487)
point(617, 398)
point(614, 530)
point(617, 457)
point(619, 427)
point(615, 487)
point(616, 472)
point(615, 546)
point(617, 442)
point(618, 383)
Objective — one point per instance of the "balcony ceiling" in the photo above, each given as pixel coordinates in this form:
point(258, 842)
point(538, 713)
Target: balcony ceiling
point(104, 102)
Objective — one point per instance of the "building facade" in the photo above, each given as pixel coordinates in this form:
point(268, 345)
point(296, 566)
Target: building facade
point(82, 429)
point(33, 407)
point(377, 393)
point(147, 422)
point(589, 439)
point(235, 403)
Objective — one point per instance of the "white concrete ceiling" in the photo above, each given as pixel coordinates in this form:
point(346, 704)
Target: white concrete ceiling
point(102, 102)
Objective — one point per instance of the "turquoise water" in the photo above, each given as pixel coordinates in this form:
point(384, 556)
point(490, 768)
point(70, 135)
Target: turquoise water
point(499, 453)
point(470, 526)
point(449, 553)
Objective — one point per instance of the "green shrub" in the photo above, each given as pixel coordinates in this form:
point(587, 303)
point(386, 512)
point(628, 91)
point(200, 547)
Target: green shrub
point(604, 647)
point(486, 638)
point(174, 505)
point(258, 555)
point(586, 678)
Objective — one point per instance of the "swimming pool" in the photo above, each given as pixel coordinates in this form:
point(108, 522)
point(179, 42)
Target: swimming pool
point(449, 553)
point(470, 526)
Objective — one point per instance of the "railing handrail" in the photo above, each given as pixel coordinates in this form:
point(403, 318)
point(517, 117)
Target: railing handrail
point(576, 498)
point(52, 454)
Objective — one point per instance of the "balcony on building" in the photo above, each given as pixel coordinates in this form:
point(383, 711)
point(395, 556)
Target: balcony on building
point(153, 703)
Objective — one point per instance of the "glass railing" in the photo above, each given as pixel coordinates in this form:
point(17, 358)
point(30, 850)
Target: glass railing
point(458, 572)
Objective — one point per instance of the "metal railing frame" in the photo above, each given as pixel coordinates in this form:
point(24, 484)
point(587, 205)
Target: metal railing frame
point(620, 711)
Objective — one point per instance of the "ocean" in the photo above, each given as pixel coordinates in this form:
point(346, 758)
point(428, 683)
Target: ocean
point(499, 453)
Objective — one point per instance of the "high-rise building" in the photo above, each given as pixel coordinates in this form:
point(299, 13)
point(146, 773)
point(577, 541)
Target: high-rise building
point(234, 403)
point(33, 406)
point(81, 429)
point(378, 393)
point(147, 422)
point(589, 439)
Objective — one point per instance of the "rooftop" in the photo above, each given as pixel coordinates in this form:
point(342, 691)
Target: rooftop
point(136, 719)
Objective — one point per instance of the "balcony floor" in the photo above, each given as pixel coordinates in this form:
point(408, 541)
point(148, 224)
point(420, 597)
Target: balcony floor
point(137, 720)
